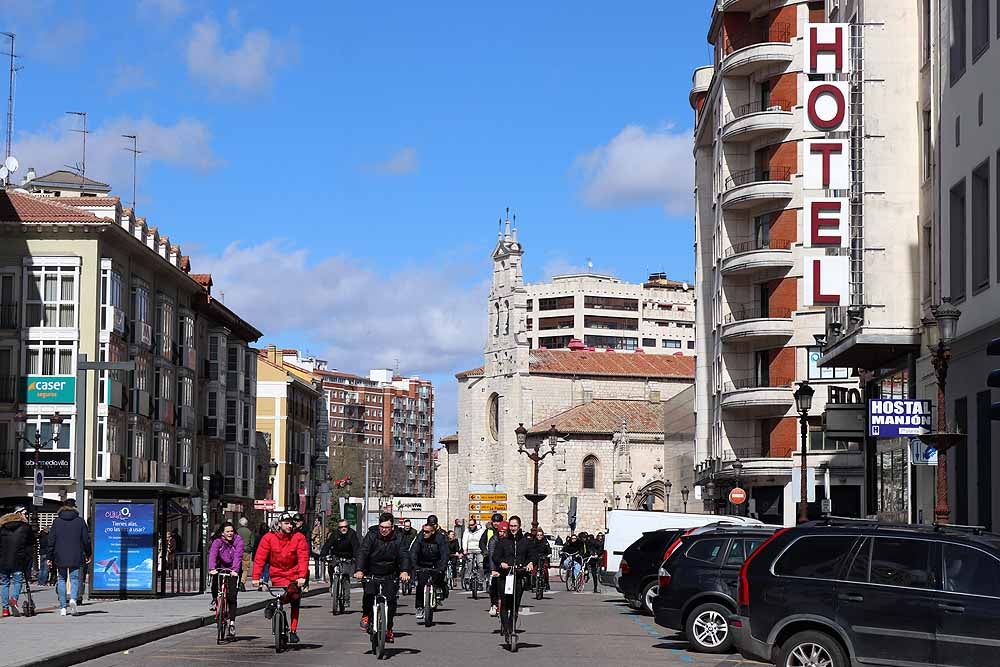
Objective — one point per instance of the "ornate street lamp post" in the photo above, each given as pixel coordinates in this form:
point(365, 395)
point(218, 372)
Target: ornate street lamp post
point(667, 485)
point(606, 514)
point(536, 456)
point(803, 403)
point(684, 495)
point(21, 424)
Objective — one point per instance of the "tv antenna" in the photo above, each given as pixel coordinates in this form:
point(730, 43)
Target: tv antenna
point(135, 154)
point(82, 167)
point(10, 94)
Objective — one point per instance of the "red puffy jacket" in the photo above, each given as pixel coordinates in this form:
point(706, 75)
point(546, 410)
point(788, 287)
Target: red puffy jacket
point(287, 554)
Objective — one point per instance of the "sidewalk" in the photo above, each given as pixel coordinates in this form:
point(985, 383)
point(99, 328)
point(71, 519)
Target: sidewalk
point(104, 627)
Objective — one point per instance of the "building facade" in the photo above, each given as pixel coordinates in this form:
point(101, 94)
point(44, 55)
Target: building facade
point(81, 275)
point(656, 316)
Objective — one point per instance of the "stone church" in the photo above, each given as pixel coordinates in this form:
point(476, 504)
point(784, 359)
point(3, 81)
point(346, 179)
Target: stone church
point(610, 410)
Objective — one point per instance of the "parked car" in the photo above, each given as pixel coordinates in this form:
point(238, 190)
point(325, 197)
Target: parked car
point(840, 592)
point(697, 583)
point(639, 567)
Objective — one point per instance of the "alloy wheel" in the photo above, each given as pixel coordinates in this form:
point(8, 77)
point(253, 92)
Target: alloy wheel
point(809, 655)
point(711, 629)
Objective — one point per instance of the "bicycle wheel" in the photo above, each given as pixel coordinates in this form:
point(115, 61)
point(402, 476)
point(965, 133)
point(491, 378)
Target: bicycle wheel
point(562, 572)
point(278, 630)
point(474, 585)
point(221, 619)
point(429, 604)
point(335, 584)
point(345, 593)
point(570, 581)
point(382, 620)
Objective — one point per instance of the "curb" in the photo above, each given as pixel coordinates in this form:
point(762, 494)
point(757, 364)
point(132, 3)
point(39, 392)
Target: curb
point(99, 650)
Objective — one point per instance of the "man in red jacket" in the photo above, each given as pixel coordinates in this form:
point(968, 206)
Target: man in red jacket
point(288, 553)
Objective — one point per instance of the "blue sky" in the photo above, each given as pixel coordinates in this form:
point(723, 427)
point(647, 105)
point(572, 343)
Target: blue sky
point(340, 168)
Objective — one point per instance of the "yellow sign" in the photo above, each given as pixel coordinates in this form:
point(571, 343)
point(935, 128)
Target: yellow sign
point(481, 517)
point(488, 507)
point(488, 497)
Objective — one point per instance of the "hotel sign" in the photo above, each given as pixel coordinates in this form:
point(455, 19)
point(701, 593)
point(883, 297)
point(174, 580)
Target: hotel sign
point(900, 417)
point(826, 165)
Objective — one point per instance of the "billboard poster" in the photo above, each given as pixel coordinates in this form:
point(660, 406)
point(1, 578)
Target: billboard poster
point(124, 547)
point(898, 417)
point(50, 389)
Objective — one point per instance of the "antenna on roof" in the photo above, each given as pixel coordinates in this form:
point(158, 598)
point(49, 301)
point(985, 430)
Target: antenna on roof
point(10, 94)
point(590, 264)
point(135, 153)
point(82, 167)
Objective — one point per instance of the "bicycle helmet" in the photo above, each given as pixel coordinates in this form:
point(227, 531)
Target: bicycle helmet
point(286, 516)
point(497, 517)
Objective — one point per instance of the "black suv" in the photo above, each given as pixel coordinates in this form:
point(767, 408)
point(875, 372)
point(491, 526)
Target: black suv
point(640, 565)
point(840, 593)
point(697, 584)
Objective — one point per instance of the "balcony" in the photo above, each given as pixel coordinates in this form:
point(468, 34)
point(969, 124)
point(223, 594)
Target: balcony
point(757, 254)
point(762, 325)
point(756, 49)
point(767, 395)
point(750, 187)
point(756, 119)
point(8, 316)
point(8, 389)
point(701, 81)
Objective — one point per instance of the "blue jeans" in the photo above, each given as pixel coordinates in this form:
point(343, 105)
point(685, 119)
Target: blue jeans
point(11, 579)
point(43, 573)
point(572, 564)
point(74, 580)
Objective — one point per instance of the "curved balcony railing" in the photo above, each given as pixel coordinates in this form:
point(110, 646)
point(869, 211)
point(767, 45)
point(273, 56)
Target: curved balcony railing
point(758, 107)
point(756, 244)
point(754, 311)
point(757, 383)
point(776, 32)
point(738, 178)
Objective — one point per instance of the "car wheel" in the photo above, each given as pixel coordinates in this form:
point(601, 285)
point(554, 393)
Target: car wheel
point(811, 649)
point(707, 629)
point(648, 593)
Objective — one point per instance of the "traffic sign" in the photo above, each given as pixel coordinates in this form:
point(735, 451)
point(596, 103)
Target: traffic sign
point(487, 507)
point(826, 507)
point(737, 496)
point(488, 497)
point(38, 495)
point(263, 505)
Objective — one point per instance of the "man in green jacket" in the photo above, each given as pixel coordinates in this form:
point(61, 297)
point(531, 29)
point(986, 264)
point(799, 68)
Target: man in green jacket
point(248, 544)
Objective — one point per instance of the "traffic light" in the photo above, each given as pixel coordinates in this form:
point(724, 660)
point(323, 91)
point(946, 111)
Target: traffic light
point(993, 350)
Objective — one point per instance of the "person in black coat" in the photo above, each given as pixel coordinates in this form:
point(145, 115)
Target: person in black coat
point(342, 543)
point(382, 555)
point(429, 557)
point(69, 548)
point(17, 548)
point(514, 551)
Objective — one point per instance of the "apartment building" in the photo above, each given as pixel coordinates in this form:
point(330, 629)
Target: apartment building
point(777, 303)
point(604, 312)
point(80, 274)
point(962, 245)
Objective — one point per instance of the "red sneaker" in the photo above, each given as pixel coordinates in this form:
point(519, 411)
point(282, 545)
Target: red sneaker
point(389, 637)
point(364, 623)
point(6, 612)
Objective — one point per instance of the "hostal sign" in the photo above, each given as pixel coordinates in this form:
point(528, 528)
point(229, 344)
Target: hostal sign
point(826, 166)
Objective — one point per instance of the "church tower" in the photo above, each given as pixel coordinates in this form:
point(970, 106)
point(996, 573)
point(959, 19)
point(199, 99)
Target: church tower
point(506, 343)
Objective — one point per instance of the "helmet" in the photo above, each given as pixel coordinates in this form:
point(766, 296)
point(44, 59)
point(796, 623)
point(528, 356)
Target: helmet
point(286, 516)
point(497, 517)
point(432, 519)
point(297, 517)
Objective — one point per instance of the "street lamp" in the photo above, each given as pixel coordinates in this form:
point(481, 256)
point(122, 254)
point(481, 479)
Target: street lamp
point(803, 403)
point(618, 502)
point(628, 499)
point(666, 487)
point(606, 514)
point(737, 469)
point(684, 494)
point(942, 440)
point(272, 469)
point(21, 424)
point(536, 456)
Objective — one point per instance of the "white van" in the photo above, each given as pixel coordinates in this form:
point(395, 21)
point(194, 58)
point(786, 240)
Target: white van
point(627, 526)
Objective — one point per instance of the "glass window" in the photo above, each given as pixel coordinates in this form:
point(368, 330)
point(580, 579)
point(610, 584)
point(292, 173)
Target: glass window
point(815, 557)
point(817, 373)
point(735, 555)
point(969, 570)
point(706, 550)
point(590, 473)
point(690, 344)
point(860, 566)
point(957, 47)
point(980, 219)
point(751, 543)
point(671, 344)
point(51, 298)
point(50, 357)
point(956, 248)
point(980, 27)
point(901, 562)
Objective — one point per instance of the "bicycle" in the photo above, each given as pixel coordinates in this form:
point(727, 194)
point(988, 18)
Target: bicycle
point(340, 583)
point(430, 595)
point(379, 623)
point(571, 578)
point(225, 618)
point(541, 578)
point(454, 578)
point(584, 577)
point(279, 621)
point(406, 587)
point(509, 612)
point(472, 579)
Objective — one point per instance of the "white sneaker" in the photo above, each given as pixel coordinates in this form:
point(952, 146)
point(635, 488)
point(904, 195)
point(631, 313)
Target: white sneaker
point(62, 611)
point(493, 610)
point(72, 607)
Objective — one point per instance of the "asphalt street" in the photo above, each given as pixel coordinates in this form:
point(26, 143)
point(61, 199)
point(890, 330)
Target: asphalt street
point(564, 629)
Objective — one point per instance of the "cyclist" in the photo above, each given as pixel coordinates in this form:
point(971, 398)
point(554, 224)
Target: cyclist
point(428, 555)
point(382, 555)
point(342, 543)
point(595, 550)
point(470, 538)
point(515, 550)
point(489, 533)
point(226, 552)
point(408, 533)
point(286, 552)
point(544, 552)
point(441, 538)
point(571, 555)
point(455, 553)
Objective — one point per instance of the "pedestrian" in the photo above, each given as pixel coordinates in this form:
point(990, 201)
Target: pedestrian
point(316, 544)
point(248, 546)
point(178, 542)
point(17, 548)
point(298, 523)
point(43, 565)
point(69, 548)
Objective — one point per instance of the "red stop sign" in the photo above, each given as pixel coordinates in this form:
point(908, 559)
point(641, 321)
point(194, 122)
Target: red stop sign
point(737, 496)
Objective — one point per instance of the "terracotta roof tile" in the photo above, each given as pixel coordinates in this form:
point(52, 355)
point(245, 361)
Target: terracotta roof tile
point(616, 364)
point(203, 279)
point(472, 372)
point(22, 207)
point(82, 201)
point(449, 439)
point(606, 416)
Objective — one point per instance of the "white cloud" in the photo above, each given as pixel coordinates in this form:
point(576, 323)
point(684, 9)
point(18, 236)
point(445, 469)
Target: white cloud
point(640, 167)
point(246, 68)
point(163, 9)
point(130, 78)
point(185, 143)
point(403, 161)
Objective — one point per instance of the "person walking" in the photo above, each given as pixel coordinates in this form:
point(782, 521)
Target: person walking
point(248, 545)
point(43, 565)
point(69, 548)
point(17, 549)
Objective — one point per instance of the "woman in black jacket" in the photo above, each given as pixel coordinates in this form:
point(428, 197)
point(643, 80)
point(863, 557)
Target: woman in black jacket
point(17, 548)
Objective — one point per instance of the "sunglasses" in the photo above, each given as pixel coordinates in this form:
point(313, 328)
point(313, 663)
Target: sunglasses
point(343, 527)
point(428, 532)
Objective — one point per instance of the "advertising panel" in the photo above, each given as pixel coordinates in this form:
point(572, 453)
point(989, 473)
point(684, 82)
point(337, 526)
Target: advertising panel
point(124, 547)
point(49, 389)
point(898, 417)
point(56, 464)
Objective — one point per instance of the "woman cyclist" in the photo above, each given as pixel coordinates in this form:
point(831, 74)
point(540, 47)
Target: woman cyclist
point(225, 553)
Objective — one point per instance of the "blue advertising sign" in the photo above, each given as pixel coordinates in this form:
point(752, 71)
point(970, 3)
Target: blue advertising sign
point(124, 547)
point(892, 418)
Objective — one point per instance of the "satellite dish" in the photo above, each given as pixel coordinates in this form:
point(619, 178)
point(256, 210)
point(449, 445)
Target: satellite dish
point(11, 164)
point(3, 173)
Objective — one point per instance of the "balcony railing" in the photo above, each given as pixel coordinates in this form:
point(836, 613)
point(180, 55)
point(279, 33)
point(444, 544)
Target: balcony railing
point(776, 32)
point(8, 316)
point(753, 311)
point(757, 383)
point(8, 388)
point(758, 107)
point(757, 244)
point(746, 176)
